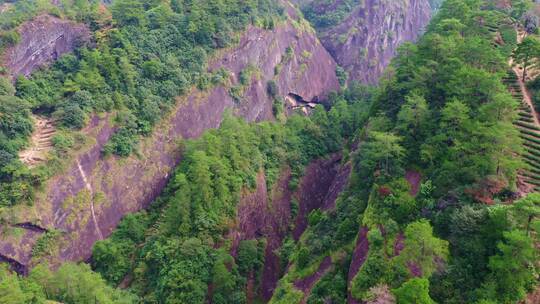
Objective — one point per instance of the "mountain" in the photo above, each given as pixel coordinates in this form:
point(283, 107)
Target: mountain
point(269, 152)
point(364, 36)
point(306, 71)
point(127, 185)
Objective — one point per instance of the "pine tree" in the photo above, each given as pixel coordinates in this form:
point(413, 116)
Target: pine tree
point(527, 54)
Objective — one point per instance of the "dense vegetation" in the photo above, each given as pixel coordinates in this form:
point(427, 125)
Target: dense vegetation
point(148, 53)
point(444, 114)
point(323, 14)
point(181, 255)
point(69, 284)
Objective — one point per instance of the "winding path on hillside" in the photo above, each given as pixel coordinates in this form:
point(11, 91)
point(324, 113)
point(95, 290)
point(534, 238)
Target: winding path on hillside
point(40, 141)
point(528, 124)
point(521, 34)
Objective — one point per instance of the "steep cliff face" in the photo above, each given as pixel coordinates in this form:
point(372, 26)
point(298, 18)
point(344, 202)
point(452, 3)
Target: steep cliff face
point(269, 216)
point(366, 40)
point(86, 203)
point(43, 40)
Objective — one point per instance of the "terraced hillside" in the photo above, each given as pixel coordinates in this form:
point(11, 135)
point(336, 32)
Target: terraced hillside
point(529, 127)
point(41, 142)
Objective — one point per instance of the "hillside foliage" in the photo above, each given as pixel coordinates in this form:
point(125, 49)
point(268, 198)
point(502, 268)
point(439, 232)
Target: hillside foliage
point(148, 52)
point(431, 212)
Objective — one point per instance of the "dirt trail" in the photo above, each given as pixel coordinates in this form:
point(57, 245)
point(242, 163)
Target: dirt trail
point(40, 142)
point(527, 181)
point(89, 188)
point(521, 34)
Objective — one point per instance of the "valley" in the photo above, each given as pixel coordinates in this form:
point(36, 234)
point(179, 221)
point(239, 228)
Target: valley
point(265, 151)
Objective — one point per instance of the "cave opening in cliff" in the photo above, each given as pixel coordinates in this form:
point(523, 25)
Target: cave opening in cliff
point(297, 101)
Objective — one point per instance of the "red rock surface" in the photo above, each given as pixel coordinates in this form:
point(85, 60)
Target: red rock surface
point(315, 186)
point(128, 185)
point(270, 217)
point(261, 216)
point(43, 40)
point(414, 179)
point(360, 253)
point(306, 284)
point(367, 40)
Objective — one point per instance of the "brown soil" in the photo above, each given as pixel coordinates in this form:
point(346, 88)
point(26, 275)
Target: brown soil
point(533, 298)
point(40, 142)
point(5, 7)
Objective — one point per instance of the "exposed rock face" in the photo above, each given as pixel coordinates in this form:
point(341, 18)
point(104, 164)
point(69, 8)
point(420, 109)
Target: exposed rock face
point(359, 256)
point(260, 215)
point(43, 40)
point(323, 181)
point(365, 42)
point(306, 284)
point(90, 198)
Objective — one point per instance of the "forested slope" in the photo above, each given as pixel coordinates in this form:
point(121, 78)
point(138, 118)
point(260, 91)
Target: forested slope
point(82, 190)
point(432, 183)
point(403, 193)
point(427, 214)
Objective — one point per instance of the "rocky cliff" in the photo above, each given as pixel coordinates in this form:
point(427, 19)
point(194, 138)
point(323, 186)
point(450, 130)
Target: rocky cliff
point(86, 202)
point(43, 40)
point(267, 214)
point(366, 40)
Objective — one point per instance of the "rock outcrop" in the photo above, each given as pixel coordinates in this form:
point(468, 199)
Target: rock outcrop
point(365, 42)
point(88, 200)
point(266, 216)
point(43, 40)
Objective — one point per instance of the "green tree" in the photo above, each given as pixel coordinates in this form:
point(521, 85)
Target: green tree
point(526, 211)
point(527, 54)
point(127, 12)
point(382, 151)
point(512, 269)
point(6, 88)
point(519, 7)
point(10, 288)
point(414, 291)
point(422, 249)
point(412, 122)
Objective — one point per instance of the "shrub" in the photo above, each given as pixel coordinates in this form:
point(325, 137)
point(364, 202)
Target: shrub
point(71, 116)
point(83, 99)
point(6, 88)
point(121, 143)
point(341, 75)
point(9, 38)
point(62, 142)
point(272, 89)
